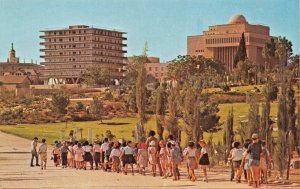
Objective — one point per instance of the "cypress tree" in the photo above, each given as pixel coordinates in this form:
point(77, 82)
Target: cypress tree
point(228, 136)
point(241, 53)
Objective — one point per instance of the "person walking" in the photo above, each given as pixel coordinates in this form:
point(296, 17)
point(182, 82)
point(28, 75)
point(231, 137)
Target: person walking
point(255, 151)
point(43, 154)
point(190, 154)
point(175, 156)
point(34, 153)
point(203, 159)
point(64, 155)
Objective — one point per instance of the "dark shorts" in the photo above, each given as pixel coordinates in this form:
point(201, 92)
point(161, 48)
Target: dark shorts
point(88, 156)
point(97, 157)
point(128, 158)
point(204, 160)
point(237, 164)
point(55, 158)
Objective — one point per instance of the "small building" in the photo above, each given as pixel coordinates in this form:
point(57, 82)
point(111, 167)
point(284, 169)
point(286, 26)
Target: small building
point(18, 84)
point(155, 68)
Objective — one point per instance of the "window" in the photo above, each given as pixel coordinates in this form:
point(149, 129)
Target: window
point(156, 68)
point(150, 68)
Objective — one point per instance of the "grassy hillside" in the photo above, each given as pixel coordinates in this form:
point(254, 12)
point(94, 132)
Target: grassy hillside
point(121, 127)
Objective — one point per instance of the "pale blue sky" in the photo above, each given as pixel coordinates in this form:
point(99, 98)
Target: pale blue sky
point(165, 24)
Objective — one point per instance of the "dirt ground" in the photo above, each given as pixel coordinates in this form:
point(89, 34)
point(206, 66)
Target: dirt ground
point(15, 172)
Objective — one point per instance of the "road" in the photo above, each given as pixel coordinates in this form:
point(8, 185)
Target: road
point(15, 172)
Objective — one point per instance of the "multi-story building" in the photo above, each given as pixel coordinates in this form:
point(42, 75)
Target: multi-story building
point(221, 42)
point(13, 67)
point(69, 52)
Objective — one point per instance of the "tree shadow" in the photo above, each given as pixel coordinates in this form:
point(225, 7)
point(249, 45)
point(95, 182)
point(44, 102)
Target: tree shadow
point(114, 123)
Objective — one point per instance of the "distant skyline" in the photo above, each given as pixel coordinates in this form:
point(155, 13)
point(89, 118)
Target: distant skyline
point(165, 25)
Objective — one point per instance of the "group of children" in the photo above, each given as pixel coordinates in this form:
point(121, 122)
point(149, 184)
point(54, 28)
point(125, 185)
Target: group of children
point(253, 159)
point(118, 156)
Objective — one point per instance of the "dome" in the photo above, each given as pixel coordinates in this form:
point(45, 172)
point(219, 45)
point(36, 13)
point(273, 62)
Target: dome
point(237, 19)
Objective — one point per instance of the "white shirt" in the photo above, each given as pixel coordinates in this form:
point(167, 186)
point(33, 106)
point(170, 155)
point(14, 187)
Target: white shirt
point(190, 152)
point(115, 152)
point(204, 150)
point(97, 148)
point(237, 154)
point(33, 145)
point(87, 148)
point(104, 146)
point(246, 155)
point(43, 148)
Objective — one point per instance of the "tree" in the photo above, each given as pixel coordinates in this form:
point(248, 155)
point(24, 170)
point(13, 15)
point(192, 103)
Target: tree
point(208, 72)
point(241, 52)
point(283, 53)
point(269, 52)
point(292, 129)
point(173, 108)
point(160, 110)
point(141, 100)
point(97, 108)
point(270, 93)
point(191, 111)
point(99, 75)
point(109, 135)
point(60, 102)
point(228, 135)
point(253, 116)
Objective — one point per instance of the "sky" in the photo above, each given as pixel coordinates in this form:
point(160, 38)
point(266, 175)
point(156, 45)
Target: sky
point(164, 24)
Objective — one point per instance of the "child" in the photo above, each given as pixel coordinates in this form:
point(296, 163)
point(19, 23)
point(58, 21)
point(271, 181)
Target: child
point(87, 155)
point(143, 158)
point(56, 153)
point(203, 159)
point(78, 156)
point(175, 157)
point(152, 151)
point(265, 160)
point(107, 161)
point(127, 157)
point(163, 158)
point(190, 153)
point(70, 156)
point(64, 153)
point(236, 158)
point(97, 150)
point(245, 164)
point(115, 158)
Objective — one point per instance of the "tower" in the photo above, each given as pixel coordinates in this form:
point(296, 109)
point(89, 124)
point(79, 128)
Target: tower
point(12, 55)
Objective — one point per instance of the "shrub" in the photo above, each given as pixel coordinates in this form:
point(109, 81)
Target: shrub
point(225, 88)
point(108, 96)
point(79, 106)
point(60, 101)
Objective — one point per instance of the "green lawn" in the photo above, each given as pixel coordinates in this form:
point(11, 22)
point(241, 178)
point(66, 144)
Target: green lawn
point(121, 127)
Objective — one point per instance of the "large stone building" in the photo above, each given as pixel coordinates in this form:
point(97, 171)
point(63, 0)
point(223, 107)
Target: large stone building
point(221, 42)
point(13, 67)
point(69, 52)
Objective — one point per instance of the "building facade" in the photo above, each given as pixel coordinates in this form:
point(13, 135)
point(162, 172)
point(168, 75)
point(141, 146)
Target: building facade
point(67, 53)
point(221, 42)
point(13, 67)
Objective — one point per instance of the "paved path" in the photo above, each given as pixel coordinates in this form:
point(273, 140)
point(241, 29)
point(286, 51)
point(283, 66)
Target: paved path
point(16, 173)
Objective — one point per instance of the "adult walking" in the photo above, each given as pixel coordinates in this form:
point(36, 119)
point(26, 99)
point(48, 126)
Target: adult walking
point(34, 153)
point(255, 150)
point(43, 154)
